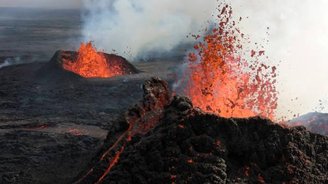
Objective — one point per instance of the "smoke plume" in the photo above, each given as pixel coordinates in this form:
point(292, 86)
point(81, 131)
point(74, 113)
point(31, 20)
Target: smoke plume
point(296, 40)
point(137, 28)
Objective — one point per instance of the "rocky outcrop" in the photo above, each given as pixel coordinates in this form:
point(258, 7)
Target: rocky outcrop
point(139, 120)
point(181, 144)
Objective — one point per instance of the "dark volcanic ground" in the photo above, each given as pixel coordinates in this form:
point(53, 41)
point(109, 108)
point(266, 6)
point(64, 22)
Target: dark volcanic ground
point(33, 35)
point(166, 140)
point(50, 130)
point(55, 131)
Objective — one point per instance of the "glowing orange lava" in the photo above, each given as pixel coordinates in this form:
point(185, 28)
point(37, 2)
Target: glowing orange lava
point(220, 81)
point(111, 165)
point(92, 64)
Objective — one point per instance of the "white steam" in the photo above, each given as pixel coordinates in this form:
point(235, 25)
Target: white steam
point(4, 64)
point(11, 61)
point(298, 37)
point(137, 28)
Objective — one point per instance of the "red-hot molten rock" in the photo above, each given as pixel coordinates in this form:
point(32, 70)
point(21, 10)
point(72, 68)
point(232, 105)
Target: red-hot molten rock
point(224, 78)
point(165, 140)
point(89, 63)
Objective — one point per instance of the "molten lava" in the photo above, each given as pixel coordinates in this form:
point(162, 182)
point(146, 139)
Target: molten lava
point(220, 81)
point(92, 64)
point(140, 120)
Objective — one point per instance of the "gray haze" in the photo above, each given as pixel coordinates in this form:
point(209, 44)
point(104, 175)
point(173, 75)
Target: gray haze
point(41, 3)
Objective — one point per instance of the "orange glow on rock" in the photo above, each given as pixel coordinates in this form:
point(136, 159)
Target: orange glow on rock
point(221, 81)
point(92, 64)
point(111, 165)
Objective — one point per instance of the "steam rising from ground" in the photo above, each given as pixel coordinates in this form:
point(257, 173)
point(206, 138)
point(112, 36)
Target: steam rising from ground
point(137, 28)
point(11, 61)
point(298, 37)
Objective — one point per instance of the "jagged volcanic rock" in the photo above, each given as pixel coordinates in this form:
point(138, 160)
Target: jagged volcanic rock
point(54, 70)
point(137, 121)
point(184, 145)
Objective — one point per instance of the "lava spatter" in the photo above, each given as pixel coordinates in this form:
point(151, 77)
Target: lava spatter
point(92, 64)
point(220, 79)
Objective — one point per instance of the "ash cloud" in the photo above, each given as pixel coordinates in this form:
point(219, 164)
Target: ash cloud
point(136, 28)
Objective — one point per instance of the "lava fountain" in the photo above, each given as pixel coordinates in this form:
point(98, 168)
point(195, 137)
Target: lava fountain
point(89, 63)
point(219, 80)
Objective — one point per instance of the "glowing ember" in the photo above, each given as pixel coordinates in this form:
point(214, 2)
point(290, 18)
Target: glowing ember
point(92, 64)
point(220, 81)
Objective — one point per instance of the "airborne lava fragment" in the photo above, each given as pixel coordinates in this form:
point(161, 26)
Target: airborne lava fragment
point(220, 79)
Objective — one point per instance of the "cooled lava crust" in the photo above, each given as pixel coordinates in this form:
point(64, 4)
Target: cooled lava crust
point(164, 140)
point(54, 68)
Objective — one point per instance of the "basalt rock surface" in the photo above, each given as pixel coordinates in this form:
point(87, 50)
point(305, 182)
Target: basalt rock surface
point(137, 121)
point(169, 141)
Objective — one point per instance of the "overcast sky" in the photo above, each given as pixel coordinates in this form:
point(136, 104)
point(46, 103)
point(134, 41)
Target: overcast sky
point(41, 3)
point(298, 37)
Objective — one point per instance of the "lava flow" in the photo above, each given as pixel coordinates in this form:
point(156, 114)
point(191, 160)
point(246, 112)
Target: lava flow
point(92, 64)
point(220, 81)
point(140, 120)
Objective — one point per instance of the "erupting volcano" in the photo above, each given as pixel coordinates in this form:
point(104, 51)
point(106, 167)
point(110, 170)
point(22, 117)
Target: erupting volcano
point(89, 63)
point(166, 140)
point(221, 81)
point(200, 113)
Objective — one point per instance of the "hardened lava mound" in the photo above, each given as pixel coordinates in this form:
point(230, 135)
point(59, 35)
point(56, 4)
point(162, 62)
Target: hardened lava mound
point(164, 140)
